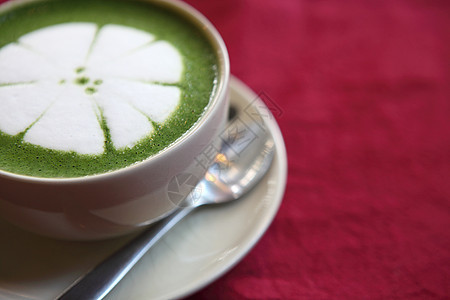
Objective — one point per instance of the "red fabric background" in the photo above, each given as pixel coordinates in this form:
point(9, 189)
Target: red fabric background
point(365, 91)
point(364, 88)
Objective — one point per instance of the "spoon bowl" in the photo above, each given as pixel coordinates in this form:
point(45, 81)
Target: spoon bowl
point(235, 172)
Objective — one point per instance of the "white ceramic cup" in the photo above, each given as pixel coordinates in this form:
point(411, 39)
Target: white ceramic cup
point(125, 200)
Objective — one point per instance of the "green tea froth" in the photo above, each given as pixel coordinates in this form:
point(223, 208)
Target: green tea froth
point(85, 88)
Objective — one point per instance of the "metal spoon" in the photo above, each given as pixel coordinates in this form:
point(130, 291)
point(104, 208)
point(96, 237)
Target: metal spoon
point(246, 155)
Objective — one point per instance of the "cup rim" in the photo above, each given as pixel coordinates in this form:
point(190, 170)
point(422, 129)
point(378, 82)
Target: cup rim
point(219, 92)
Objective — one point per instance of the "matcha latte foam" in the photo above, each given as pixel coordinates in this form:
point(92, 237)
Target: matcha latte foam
point(91, 86)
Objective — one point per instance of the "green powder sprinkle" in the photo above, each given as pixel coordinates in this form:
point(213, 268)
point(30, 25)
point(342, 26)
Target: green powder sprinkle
point(82, 80)
point(90, 90)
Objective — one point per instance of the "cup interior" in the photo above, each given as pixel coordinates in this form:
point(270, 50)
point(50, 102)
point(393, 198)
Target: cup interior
point(219, 93)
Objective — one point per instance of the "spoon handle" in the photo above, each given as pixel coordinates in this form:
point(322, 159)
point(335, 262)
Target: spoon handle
point(98, 282)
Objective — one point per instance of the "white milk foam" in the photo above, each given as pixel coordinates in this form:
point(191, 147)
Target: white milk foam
point(59, 83)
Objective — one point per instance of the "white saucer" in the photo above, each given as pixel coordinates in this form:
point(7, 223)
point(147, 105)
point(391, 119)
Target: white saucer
point(197, 251)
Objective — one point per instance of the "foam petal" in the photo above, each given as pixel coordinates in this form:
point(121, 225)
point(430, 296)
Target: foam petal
point(159, 61)
point(155, 101)
point(19, 108)
point(65, 44)
point(70, 124)
point(19, 64)
point(126, 125)
point(113, 41)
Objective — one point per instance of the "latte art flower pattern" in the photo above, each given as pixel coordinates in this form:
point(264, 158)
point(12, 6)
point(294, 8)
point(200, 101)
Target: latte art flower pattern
point(69, 86)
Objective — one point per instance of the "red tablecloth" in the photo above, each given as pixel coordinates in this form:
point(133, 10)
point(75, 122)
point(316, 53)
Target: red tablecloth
point(364, 88)
point(365, 91)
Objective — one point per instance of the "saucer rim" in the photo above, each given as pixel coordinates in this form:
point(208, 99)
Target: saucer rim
point(242, 90)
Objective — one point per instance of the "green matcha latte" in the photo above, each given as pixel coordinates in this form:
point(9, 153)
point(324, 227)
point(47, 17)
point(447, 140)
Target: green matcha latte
point(91, 86)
